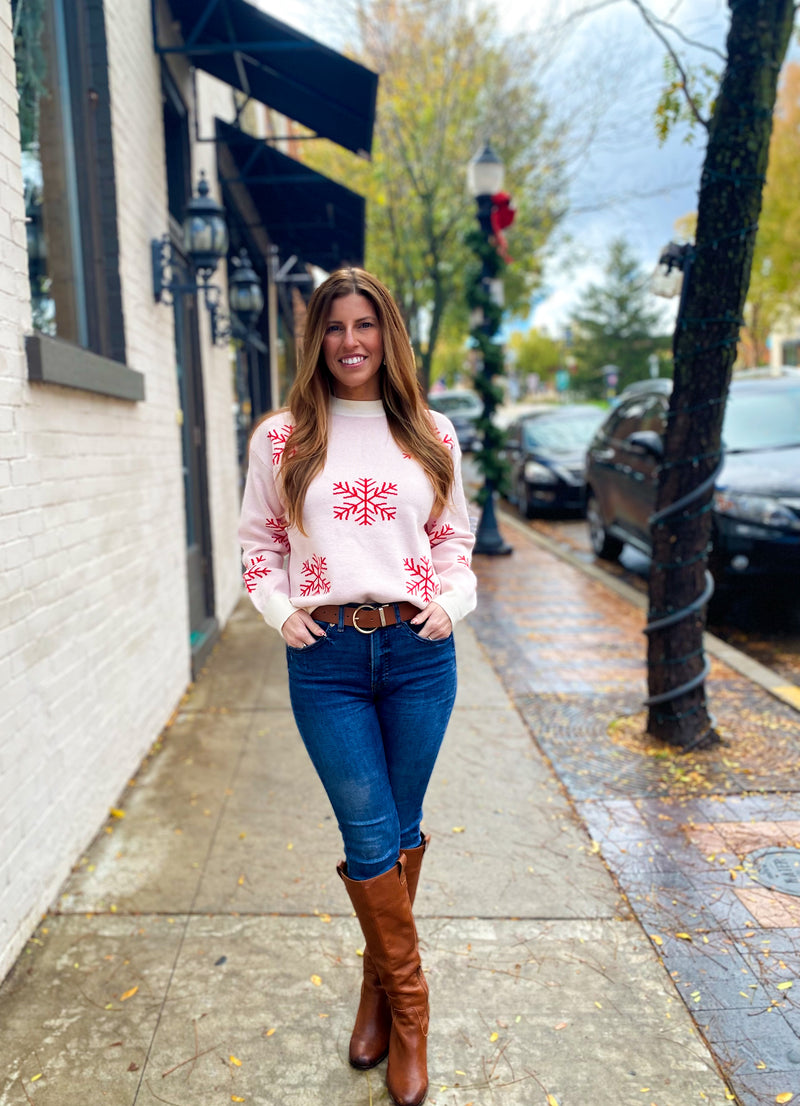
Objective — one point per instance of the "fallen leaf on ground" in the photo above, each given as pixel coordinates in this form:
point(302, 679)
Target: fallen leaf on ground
point(270, 1032)
point(316, 980)
point(459, 829)
point(233, 1060)
point(128, 994)
point(787, 1096)
point(115, 813)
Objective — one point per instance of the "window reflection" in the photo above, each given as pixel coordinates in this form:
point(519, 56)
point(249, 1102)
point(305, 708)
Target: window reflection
point(49, 170)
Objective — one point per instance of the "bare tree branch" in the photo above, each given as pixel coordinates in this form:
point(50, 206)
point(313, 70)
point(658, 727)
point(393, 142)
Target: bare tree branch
point(655, 26)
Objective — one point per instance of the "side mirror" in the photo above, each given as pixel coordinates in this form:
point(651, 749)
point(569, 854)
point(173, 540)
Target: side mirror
point(646, 441)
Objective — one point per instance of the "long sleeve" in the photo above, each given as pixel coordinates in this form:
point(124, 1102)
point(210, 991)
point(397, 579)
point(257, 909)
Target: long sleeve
point(451, 540)
point(263, 537)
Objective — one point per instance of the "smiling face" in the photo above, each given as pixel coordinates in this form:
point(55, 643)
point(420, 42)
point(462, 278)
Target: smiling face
point(353, 348)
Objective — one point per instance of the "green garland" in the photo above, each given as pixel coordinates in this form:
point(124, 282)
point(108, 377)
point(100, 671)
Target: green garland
point(488, 264)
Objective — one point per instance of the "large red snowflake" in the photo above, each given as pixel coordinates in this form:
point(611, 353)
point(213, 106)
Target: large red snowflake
point(438, 536)
point(463, 560)
point(316, 581)
point(255, 572)
point(364, 501)
point(279, 437)
point(277, 528)
point(422, 578)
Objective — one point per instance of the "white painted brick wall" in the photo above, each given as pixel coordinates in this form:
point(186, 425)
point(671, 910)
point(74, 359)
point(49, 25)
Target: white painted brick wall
point(93, 596)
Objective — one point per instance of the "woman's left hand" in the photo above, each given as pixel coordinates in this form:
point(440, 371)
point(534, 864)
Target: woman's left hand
point(437, 622)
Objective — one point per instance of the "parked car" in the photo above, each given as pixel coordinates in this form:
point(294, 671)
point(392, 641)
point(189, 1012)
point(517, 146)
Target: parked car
point(546, 451)
point(463, 408)
point(756, 505)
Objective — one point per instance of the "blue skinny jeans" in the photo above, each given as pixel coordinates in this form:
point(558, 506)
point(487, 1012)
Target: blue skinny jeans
point(372, 710)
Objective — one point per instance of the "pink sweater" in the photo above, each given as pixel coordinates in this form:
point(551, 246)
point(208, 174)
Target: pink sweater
point(370, 537)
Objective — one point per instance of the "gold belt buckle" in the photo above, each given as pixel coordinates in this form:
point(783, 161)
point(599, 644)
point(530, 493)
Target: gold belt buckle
point(368, 607)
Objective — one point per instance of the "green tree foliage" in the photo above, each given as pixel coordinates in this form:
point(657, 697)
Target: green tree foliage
point(616, 323)
point(536, 353)
point(775, 282)
point(449, 79)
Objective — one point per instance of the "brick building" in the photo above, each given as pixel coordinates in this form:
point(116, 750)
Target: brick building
point(122, 425)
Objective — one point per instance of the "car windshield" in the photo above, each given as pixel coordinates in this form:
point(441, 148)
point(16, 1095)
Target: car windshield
point(450, 405)
point(761, 420)
point(564, 432)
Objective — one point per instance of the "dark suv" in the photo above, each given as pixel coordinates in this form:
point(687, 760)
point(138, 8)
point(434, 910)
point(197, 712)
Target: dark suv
point(756, 507)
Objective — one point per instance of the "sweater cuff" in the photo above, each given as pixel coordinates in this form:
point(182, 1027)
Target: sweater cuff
point(456, 604)
point(277, 609)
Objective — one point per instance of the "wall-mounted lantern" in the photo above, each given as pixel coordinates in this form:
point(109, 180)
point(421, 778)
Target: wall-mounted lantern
point(205, 242)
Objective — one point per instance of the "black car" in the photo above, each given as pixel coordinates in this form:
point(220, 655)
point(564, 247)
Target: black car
point(463, 408)
point(756, 505)
point(546, 451)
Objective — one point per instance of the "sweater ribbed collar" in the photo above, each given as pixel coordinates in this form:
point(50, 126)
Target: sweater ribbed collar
point(359, 408)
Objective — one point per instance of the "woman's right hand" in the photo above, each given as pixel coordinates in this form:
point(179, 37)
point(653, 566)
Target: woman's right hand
point(300, 630)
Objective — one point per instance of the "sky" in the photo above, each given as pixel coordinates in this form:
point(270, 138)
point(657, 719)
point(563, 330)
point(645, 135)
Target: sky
point(604, 72)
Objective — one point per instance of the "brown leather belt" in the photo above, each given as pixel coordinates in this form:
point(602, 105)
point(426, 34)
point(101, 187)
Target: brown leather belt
point(367, 618)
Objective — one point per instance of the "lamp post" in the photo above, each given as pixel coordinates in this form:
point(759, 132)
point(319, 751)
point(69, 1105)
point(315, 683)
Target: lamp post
point(485, 173)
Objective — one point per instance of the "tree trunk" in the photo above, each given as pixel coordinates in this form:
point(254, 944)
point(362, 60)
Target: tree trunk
point(704, 346)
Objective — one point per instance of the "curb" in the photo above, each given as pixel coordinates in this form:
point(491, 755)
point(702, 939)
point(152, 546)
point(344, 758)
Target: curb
point(759, 674)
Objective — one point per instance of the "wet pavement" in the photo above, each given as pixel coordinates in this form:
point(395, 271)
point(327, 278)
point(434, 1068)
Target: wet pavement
point(760, 619)
point(705, 846)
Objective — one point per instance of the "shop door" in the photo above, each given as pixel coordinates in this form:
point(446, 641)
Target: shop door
point(195, 479)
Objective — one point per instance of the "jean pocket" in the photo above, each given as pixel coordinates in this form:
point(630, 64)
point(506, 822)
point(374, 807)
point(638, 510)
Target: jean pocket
point(415, 630)
point(301, 650)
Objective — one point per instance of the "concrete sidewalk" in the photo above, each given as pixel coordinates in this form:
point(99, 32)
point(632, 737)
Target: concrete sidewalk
point(204, 950)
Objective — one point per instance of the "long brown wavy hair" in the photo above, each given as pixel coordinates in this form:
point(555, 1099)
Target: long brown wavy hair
point(409, 419)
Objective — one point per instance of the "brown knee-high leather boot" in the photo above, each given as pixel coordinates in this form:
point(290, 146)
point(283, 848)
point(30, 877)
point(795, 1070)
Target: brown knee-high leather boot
point(369, 1042)
point(384, 913)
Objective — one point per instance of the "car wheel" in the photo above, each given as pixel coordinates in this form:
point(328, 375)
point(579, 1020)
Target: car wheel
point(604, 545)
point(524, 503)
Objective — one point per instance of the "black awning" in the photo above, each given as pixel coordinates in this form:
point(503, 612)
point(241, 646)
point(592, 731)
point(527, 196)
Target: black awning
point(280, 67)
point(302, 211)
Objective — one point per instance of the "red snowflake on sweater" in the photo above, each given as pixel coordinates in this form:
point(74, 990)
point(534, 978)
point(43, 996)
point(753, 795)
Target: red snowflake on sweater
point(422, 580)
point(277, 528)
point(463, 560)
point(446, 439)
point(256, 571)
point(279, 438)
point(314, 572)
point(438, 536)
point(364, 501)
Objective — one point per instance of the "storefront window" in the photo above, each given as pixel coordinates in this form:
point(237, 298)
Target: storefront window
point(67, 170)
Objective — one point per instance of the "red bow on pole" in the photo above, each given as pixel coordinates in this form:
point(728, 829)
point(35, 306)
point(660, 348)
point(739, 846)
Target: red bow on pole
point(502, 216)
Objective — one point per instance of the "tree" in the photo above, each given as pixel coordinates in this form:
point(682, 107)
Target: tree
point(775, 284)
point(536, 354)
point(704, 348)
point(448, 80)
point(616, 324)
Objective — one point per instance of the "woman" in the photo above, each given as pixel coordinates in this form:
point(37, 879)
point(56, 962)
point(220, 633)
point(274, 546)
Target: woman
point(360, 484)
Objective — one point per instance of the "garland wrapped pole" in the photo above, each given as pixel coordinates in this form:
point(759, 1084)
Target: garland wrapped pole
point(716, 278)
point(484, 296)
